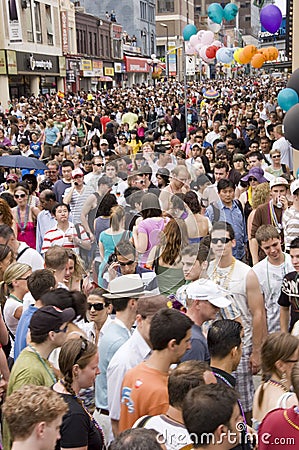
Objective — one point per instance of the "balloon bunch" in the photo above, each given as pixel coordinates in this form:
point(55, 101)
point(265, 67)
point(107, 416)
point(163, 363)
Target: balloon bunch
point(256, 57)
point(204, 44)
point(288, 99)
point(216, 13)
point(157, 66)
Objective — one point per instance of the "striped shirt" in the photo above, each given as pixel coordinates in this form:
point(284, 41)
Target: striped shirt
point(78, 200)
point(61, 238)
point(290, 222)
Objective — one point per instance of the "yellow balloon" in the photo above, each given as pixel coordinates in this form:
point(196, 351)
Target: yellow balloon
point(236, 55)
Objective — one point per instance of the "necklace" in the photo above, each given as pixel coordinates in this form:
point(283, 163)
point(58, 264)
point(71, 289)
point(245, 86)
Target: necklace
point(174, 420)
point(273, 217)
point(23, 225)
point(277, 384)
point(225, 381)
point(290, 422)
point(223, 280)
point(92, 419)
point(50, 372)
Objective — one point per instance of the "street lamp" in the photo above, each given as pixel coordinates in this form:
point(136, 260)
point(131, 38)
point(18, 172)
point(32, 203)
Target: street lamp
point(166, 53)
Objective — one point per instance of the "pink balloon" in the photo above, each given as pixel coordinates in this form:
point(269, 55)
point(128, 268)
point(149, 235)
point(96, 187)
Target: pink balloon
point(198, 47)
point(200, 35)
point(217, 44)
point(190, 50)
point(194, 40)
point(208, 37)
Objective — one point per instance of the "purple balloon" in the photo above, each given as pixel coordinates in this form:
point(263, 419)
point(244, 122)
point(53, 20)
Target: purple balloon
point(271, 18)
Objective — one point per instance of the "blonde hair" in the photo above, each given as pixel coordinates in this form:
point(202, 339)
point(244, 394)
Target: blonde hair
point(13, 272)
point(260, 195)
point(30, 405)
point(116, 216)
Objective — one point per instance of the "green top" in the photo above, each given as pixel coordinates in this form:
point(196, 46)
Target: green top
point(169, 279)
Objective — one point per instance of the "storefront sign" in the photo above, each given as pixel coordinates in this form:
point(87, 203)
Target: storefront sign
point(36, 63)
point(70, 76)
point(97, 67)
point(14, 25)
point(86, 64)
point(109, 71)
point(116, 31)
point(12, 68)
point(117, 67)
point(64, 31)
point(136, 65)
point(2, 63)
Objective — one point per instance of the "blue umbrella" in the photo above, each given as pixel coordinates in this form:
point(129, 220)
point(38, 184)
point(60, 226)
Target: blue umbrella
point(21, 162)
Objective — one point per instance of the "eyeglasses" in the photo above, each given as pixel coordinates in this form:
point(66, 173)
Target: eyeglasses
point(25, 278)
point(20, 195)
point(291, 360)
point(64, 330)
point(252, 179)
point(99, 164)
point(275, 156)
point(96, 306)
point(51, 171)
point(224, 240)
point(84, 345)
point(10, 182)
point(128, 263)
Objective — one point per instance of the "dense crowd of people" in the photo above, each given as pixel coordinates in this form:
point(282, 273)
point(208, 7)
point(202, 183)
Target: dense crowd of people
point(149, 269)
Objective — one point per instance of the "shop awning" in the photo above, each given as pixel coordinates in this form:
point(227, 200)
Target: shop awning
point(139, 65)
point(105, 78)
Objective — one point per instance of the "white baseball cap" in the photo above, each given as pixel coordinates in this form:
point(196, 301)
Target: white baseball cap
point(207, 290)
point(294, 186)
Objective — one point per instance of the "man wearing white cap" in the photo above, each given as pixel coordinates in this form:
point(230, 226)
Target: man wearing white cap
point(77, 194)
point(290, 219)
point(204, 300)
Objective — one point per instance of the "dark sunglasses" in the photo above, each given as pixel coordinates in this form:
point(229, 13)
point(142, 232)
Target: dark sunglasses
point(25, 278)
point(64, 330)
point(128, 263)
point(252, 179)
point(20, 195)
point(224, 240)
point(96, 306)
point(10, 181)
point(275, 156)
point(84, 345)
point(99, 164)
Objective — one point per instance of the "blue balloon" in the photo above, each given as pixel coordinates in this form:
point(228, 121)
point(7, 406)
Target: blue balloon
point(215, 12)
point(287, 98)
point(230, 11)
point(225, 55)
point(189, 31)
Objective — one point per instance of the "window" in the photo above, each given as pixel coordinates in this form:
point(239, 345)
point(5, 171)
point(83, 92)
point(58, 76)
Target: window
point(152, 43)
point(107, 49)
point(144, 41)
point(143, 10)
point(102, 45)
point(90, 43)
point(28, 23)
point(165, 6)
point(247, 18)
point(95, 43)
point(49, 23)
point(38, 23)
point(151, 14)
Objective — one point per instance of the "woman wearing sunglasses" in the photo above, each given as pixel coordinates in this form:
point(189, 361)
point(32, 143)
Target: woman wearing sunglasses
point(78, 363)
point(25, 217)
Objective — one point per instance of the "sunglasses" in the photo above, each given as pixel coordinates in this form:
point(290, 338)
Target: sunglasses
point(25, 278)
point(252, 179)
point(10, 182)
point(99, 164)
point(224, 240)
point(128, 263)
point(20, 195)
point(64, 330)
point(275, 156)
point(96, 306)
point(51, 171)
point(84, 345)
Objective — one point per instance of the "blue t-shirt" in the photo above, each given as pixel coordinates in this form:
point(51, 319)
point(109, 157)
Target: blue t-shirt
point(22, 330)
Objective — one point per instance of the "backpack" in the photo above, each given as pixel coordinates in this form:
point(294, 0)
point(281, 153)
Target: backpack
point(216, 211)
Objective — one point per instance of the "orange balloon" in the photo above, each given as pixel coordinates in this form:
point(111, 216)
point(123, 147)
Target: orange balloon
point(264, 52)
point(249, 51)
point(273, 53)
point(257, 61)
point(243, 58)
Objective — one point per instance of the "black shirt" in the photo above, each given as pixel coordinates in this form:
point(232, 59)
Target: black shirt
point(289, 296)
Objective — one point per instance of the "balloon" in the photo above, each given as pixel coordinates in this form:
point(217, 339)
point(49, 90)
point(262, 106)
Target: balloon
point(291, 129)
point(203, 55)
point(217, 44)
point(215, 27)
point(236, 55)
point(287, 98)
point(257, 61)
point(211, 51)
point(224, 55)
point(194, 40)
point(198, 47)
point(207, 38)
point(230, 11)
point(273, 53)
point(200, 35)
point(271, 18)
point(243, 58)
point(189, 31)
point(249, 51)
point(264, 52)
point(190, 50)
point(215, 12)
point(293, 82)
